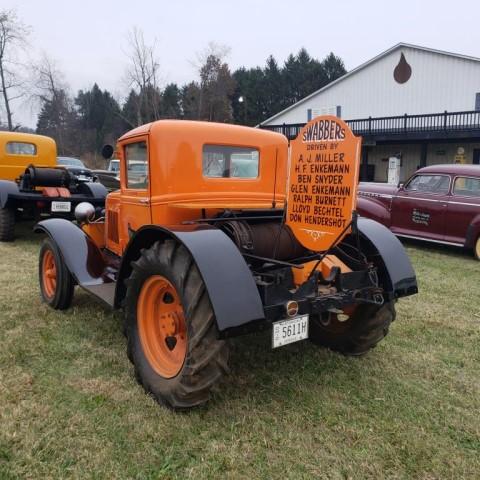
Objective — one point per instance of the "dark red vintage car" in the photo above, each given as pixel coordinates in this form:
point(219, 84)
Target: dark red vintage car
point(439, 203)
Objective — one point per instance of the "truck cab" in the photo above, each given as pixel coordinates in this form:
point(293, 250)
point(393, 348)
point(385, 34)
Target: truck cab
point(19, 150)
point(193, 170)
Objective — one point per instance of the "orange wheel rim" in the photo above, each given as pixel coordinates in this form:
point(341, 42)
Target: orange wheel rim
point(161, 326)
point(49, 274)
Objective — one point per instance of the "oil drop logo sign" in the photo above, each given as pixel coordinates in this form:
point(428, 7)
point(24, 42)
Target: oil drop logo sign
point(322, 190)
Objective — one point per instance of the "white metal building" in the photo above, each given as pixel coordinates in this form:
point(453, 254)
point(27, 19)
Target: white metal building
point(415, 102)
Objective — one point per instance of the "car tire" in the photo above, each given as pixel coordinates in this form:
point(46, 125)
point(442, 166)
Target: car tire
point(56, 282)
point(476, 248)
point(365, 327)
point(171, 330)
point(7, 224)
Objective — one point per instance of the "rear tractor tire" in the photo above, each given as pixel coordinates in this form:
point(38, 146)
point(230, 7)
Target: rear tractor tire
point(7, 224)
point(356, 334)
point(56, 282)
point(171, 330)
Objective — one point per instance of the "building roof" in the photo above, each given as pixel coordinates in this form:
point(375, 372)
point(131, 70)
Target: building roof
point(366, 64)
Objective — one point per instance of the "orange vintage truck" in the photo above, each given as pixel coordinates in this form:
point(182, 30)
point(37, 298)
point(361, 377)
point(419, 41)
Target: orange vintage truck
point(200, 249)
point(31, 183)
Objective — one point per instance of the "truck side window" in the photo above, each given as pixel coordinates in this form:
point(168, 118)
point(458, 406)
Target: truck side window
point(222, 161)
point(21, 148)
point(429, 184)
point(136, 159)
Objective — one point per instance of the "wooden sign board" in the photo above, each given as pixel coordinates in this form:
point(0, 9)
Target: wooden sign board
point(323, 179)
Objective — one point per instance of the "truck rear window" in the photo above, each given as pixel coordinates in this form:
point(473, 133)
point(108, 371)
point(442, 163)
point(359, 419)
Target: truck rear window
point(21, 148)
point(223, 161)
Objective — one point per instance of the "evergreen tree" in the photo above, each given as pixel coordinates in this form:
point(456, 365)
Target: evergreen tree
point(99, 117)
point(130, 110)
point(190, 101)
point(171, 102)
point(57, 119)
point(333, 67)
point(216, 87)
point(273, 87)
point(250, 96)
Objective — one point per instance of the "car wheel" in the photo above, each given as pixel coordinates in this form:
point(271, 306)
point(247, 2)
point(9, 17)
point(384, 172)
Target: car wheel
point(476, 248)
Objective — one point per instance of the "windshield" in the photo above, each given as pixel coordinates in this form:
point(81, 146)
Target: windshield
point(114, 165)
point(70, 162)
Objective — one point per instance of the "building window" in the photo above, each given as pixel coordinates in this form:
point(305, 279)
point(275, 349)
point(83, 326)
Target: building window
point(477, 101)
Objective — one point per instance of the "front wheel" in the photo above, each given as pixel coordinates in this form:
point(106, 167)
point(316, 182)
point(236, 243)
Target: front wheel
point(355, 332)
point(170, 327)
point(56, 282)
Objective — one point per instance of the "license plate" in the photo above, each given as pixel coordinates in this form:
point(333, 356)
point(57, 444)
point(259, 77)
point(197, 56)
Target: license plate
point(289, 331)
point(61, 206)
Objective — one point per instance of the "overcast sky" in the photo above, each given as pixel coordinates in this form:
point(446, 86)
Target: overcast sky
point(88, 39)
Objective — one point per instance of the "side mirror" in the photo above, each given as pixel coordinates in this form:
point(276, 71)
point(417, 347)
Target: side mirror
point(107, 152)
point(400, 185)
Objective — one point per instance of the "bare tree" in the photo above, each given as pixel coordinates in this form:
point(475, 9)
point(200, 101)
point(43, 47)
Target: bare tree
point(213, 49)
point(48, 79)
point(13, 37)
point(57, 116)
point(142, 76)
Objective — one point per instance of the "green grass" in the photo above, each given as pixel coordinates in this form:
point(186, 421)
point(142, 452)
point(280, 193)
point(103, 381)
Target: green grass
point(71, 408)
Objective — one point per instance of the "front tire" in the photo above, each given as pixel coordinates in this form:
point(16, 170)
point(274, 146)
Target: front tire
point(365, 327)
point(56, 282)
point(170, 327)
point(7, 224)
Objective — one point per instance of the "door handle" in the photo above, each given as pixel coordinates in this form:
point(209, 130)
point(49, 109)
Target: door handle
point(144, 201)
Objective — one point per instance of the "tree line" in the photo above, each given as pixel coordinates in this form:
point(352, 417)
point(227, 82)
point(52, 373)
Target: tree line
point(82, 123)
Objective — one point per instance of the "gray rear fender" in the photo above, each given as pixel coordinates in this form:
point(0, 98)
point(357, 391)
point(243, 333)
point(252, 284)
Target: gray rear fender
point(229, 282)
point(396, 273)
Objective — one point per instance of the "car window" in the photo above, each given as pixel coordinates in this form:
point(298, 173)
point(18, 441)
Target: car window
point(69, 161)
point(137, 168)
point(221, 161)
point(114, 166)
point(429, 184)
point(21, 148)
point(469, 187)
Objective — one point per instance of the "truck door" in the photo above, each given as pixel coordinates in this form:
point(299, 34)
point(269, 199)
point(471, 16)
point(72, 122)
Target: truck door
point(135, 208)
point(420, 207)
